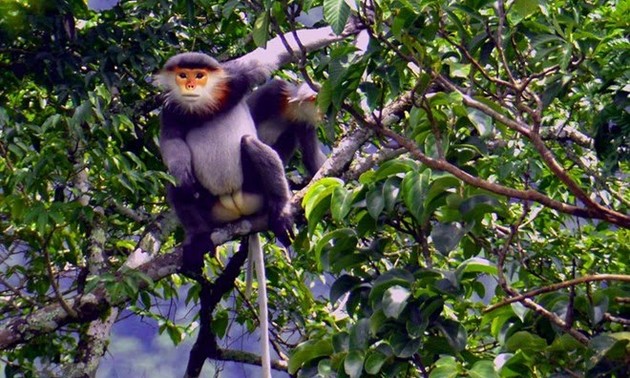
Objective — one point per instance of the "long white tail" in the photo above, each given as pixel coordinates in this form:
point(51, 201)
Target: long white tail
point(256, 256)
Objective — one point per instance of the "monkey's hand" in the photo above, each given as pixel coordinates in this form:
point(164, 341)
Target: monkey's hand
point(187, 185)
point(281, 223)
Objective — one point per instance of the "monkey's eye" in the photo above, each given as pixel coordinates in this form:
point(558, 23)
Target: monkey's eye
point(200, 75)
point(182, 75)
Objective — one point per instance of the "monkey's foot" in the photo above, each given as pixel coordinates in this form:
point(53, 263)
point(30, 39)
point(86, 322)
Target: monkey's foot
point(282, 226)
point(194, 250)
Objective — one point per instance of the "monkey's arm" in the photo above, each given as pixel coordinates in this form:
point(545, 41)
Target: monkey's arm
point(312, 155)
point(177, 157)
point(262, 61)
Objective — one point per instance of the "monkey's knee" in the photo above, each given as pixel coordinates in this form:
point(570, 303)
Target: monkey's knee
point(248, 141)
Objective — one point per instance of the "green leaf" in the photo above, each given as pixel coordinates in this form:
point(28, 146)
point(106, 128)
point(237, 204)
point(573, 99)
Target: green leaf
point(601, 345)
point(444, 372)
point(395, 300)
point(308, 351)
point(42, 222)
point(377, 321)
point(318, 192)
point(441, 183)
point(525, 341)
point(521, 9)
point(475, 207)
point(414, 187)
point(501, 321)
point(394, 167)
point(565, 343)
point(447, 236)
point(342, 285)
point(391, 188)
point(375, 201)
point(416, 325)
point(353, 363)
point(445, 367)
point(91, 283)
point(260, 34)
point(324, 368)
point(316, 202)
point(403, 346)
point(482, 122)
point(341, 203)
point(334, 246)
point(483, 369)
point(599, 307)
point(81, 114)
point(393, 277)
point(341, 342)
point(455, 333)
point(336, 13)
point(477, 265)
point(360, 334)
point(519, 310)
point(175, 333)
point(220, 323)
point(374, 361)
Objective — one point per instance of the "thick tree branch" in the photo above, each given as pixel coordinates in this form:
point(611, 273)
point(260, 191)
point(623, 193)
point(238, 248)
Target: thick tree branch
point(211, 294)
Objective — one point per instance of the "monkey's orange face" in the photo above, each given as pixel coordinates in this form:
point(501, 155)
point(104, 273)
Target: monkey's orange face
point(191, 82)
point(194, 90)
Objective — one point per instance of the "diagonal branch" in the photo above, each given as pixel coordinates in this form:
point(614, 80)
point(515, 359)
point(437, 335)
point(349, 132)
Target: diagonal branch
point(211, 293)
point(592, 210)
point(559, 286)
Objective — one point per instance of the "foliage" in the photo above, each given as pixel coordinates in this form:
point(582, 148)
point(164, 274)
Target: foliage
point(495, 164)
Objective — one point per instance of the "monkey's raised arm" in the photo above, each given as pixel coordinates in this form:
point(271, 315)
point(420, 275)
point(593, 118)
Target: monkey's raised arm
point(259, 63)
point(312, 154)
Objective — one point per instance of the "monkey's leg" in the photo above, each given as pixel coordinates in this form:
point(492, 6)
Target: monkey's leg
point(192, 213)
point(286, 144)
point(194, 248)
point(263, 171)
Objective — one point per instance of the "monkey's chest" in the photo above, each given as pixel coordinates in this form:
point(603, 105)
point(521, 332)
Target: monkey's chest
point(216, 158)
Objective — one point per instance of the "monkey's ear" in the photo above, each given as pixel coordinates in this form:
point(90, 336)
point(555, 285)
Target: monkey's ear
point(303, 93)
point(162, 79)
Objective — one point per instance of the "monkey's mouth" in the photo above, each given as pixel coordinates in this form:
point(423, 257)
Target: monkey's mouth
point(190, 98)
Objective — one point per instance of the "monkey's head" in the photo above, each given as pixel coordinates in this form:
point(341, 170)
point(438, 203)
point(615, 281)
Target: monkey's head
point(194, 82)
point(301, 104)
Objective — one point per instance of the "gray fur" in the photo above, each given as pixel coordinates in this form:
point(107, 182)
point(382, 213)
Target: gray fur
point(216, 150)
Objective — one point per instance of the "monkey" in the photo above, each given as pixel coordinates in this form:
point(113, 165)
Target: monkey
point(286, 117)
point(223, 172)
point(203, 98)
point(208, 143)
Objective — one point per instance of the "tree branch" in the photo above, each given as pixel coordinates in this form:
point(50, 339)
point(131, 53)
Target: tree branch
point(592, 210)
point(559, 286)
